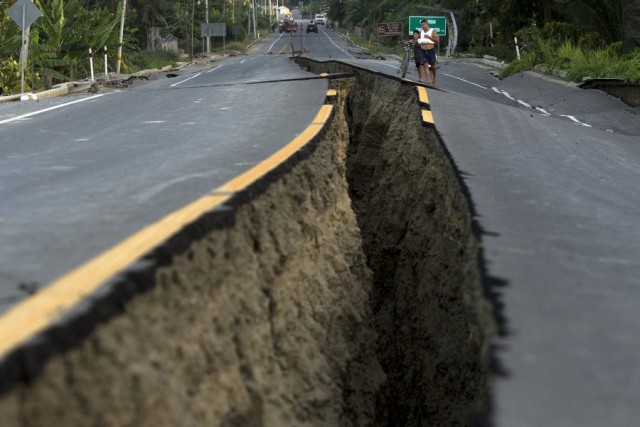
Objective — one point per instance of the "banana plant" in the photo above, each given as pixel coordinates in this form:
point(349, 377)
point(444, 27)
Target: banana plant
point(62, 44)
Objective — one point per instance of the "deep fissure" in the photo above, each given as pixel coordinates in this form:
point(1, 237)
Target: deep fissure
point(433, 324)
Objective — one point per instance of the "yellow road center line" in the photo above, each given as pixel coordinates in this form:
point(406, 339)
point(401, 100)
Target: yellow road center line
point(323, 115)
point(247, 178)
point(36, 313)
point(427, 117)
point(422, 95)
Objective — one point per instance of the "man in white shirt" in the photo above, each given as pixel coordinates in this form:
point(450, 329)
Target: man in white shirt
point(428, 39)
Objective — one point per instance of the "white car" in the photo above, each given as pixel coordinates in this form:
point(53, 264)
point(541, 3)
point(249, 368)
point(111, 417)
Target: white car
point(320, 19)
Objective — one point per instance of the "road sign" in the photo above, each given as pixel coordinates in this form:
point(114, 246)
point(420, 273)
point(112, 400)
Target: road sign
point(439, 23)
point(24, 13)
point(390, 29)
point(213, 30)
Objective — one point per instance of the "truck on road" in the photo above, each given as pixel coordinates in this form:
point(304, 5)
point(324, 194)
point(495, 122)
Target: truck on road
point(288, 25)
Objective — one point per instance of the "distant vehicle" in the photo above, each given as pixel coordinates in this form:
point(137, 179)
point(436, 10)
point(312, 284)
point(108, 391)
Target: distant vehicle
point(321, 19)
point(288, 25)
point(312, 27)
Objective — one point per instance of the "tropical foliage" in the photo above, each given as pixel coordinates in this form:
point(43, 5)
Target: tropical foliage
point(570, 35)
point(496, 21)
point(60, 39)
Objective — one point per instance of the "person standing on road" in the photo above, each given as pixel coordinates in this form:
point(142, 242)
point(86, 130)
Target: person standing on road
point(417, 56)
point(428, 39)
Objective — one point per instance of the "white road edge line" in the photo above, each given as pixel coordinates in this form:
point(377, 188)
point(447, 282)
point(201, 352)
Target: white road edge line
point(572, 118)
point(542, 110)
point(397, 67)
point(466, 81)
point(213, 69)
point(55, 107)
point(271, 47)
point(185, 80)
point(505, 93)
point(325, 34)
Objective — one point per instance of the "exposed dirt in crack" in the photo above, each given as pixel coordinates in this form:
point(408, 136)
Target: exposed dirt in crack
point(346, 294)
point(433, 323)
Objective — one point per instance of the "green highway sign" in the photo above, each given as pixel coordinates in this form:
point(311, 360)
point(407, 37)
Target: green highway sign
point(439, 23)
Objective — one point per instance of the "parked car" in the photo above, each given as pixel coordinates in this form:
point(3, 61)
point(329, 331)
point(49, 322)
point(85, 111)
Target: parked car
point(321, 19)
point(312, 26)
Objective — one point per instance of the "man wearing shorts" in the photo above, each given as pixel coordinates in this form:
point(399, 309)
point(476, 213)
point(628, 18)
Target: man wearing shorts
point(428, 39)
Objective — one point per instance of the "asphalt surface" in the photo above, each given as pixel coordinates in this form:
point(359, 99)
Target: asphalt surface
point(559, 202)
point(83, 176)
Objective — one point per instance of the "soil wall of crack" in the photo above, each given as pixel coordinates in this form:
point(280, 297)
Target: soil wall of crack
point(433, 323)
point(346, 292)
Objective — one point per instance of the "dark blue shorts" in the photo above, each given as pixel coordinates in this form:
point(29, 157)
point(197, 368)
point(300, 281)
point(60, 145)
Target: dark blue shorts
point(429, 56)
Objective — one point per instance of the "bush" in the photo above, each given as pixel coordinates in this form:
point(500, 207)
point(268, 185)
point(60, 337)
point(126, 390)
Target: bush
point(10, 76)
point(527, 62)
point(558, 48)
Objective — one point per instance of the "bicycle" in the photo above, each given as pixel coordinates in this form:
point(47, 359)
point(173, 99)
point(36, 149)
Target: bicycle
point(404, 62)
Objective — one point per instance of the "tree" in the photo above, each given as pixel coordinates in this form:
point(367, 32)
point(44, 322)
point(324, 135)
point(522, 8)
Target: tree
point(614, 20)
point(491, 10)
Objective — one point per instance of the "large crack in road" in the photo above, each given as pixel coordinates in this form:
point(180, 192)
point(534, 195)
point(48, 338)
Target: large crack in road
point(345, 290)
point(432, 321)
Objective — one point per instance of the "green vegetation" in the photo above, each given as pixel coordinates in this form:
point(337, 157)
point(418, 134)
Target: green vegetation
point(386, 46)
point(596, 38)
point(150, 59)
point(60, 39)
point(562, 47)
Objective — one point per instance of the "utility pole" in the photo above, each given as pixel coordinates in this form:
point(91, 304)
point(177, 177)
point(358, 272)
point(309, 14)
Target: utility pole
point(206, 19)
point(193, 13)
point(124, 10)
point(255, 31)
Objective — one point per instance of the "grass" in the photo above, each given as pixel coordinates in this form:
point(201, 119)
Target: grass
point(372, 47)
point(579, 62)
point(149, 59)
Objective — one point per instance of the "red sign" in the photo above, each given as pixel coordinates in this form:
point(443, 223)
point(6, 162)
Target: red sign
point(390, 29)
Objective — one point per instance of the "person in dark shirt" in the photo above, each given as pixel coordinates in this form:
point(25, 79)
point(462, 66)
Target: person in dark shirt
point(418, 57)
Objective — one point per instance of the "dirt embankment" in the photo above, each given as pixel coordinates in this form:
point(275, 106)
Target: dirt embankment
point(346, 293)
